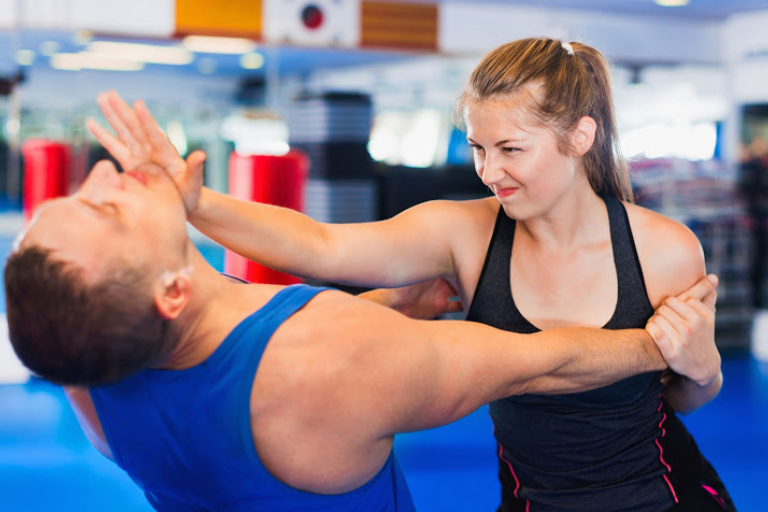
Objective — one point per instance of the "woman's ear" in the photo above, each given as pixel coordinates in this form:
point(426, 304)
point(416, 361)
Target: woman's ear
point(172, 294)
point(583, 135)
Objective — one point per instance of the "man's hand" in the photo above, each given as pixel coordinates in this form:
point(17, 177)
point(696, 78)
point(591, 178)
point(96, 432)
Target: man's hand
point(684, 330)
point(423, 301)
point(140, 140)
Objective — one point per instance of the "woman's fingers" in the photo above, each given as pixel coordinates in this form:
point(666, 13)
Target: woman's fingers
point(114, 146)
point(115, 120)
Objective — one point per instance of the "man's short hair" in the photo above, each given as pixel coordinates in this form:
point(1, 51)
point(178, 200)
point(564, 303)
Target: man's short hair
point(72, 332)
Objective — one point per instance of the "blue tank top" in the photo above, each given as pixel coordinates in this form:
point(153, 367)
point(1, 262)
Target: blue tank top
point(599, 450)
point(185, 436)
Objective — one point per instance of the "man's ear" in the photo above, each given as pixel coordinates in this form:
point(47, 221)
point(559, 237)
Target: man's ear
point(583, 135)
point(172, 294)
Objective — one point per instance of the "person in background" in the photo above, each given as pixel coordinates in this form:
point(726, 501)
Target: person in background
point(217, 395)
point(559, 244)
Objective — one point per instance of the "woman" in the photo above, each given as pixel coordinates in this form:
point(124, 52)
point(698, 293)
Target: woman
point(559, 244)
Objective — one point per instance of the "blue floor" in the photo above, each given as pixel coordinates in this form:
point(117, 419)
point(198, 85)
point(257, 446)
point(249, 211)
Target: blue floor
point(46, 464)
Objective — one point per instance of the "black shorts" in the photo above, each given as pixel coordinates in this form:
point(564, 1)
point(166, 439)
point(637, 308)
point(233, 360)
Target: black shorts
point(696, 483)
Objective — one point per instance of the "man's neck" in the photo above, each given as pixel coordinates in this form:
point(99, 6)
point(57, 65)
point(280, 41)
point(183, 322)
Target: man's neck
point(217, 304)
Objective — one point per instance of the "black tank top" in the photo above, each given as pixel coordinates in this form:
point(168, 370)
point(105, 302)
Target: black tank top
point(599, 450)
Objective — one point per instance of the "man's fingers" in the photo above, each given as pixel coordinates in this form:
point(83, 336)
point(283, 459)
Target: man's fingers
point(656, 332)
point(682, 309)
point(454, 307)
point(710, 300)
point(676, 318)
point(701, 289)
point(700, 308)
point(669, 337)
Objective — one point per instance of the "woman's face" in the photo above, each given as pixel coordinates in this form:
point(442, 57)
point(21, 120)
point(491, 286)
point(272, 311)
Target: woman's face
point(521, 163)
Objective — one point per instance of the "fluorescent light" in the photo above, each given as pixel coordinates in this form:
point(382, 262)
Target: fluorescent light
point(85, 60)
point(25, 57)
point(260, 136)
point(671, 3)
point(149, 53)
point(252, 61)
point(229, 45)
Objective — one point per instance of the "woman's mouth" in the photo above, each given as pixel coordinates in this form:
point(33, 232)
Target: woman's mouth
point(501, 193)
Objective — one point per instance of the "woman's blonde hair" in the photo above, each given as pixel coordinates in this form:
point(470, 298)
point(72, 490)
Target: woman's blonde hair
point(560, 83)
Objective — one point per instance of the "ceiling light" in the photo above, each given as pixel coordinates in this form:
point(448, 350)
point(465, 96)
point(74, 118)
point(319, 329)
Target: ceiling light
point(671, 3)
point(85, 60)
point(229, 45)
point(252, 61)
point(25, 57)
point(150, 53)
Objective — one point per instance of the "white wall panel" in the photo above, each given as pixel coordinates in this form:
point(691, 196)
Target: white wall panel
point(746, 53)
point(150, 18)
point(8, 14)
point(475, 28)
point(136, 17)
point(468, 27)
point(746, 36)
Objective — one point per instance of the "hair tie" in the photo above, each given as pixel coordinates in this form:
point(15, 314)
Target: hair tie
point(568, 48)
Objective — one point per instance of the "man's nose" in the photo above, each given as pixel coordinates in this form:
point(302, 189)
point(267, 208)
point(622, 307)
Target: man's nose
point(103, 176)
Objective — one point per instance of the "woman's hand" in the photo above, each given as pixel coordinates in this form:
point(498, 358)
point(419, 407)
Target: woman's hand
point(140, 140)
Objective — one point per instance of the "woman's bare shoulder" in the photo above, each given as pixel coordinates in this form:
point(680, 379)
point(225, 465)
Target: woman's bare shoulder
point(670, 253)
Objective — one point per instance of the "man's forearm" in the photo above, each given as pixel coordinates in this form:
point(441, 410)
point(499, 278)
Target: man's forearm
point(598, 357)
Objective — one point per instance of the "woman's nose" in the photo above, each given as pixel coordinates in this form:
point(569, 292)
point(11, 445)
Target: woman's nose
point(491, 172)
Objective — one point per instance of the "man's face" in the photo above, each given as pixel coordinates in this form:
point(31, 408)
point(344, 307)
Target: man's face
point(137, 215)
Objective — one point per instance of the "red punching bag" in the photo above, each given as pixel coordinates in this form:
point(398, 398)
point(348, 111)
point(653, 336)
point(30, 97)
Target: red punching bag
point(46, 172)
point(272, 179)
